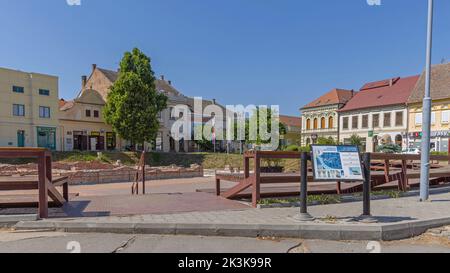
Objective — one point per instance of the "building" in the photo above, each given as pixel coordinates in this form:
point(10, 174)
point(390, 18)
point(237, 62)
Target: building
point(84, 128)
point(440, 120)
point(320, 118)
point(293, 130)
point(28, 109)
point(378, 113)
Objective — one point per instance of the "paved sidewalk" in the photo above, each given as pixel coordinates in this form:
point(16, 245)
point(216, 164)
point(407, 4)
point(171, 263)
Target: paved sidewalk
point(397, 219)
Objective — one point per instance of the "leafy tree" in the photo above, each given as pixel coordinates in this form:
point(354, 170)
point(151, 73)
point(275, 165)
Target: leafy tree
point(326, 141)
point(390, 149)
point(267, 122)
point(356, 140)
point(133, 103)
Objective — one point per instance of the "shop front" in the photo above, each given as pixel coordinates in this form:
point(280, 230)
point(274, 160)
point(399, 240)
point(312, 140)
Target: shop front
point(46, 138)
point(440, 141)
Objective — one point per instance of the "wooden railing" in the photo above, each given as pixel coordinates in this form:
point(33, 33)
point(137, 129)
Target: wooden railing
point(379, 162)
point(44, 183)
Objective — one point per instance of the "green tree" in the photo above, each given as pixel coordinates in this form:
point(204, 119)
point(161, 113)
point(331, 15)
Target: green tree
point(262, 122)
point(133, 103)
point(356, 140)
point(326, 141)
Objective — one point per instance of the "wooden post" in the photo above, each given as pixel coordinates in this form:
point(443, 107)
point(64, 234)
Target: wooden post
point(256, 195)
point(246, 167)
point(218, 191)
point(143, 173)
point(42, 185)
point(405, 175)
point(387, 170)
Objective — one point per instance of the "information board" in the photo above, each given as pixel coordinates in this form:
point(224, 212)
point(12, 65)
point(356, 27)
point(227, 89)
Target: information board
point(337, 163)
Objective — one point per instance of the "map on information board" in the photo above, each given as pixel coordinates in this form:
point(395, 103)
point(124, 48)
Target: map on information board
point(337, 163)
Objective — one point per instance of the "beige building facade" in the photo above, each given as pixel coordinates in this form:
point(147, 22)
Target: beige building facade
point(28, 110)
point(320, 118)
point(378, 114)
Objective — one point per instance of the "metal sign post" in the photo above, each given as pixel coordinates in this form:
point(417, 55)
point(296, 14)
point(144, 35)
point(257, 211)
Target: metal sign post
point(366, 217)
point(304, 216)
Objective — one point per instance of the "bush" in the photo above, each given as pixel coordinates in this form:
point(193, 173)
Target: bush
point(292, 148)
point(390, 149)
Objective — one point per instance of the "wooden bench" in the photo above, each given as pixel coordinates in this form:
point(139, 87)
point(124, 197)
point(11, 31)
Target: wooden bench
point(43, 182)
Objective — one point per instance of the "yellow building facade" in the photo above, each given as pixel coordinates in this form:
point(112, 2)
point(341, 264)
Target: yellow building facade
point(440, 125)
point(440, 119)
point(28, 110)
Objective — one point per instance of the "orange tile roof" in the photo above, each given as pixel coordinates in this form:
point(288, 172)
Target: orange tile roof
point(335, 96)
point(291, 121)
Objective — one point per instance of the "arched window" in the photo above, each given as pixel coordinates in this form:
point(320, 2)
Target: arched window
point(316, 124)
point(330, 122)
point(323, 124)
point(308, 124)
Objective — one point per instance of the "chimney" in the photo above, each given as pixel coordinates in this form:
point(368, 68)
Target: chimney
point(94, 66)
point(391, 82)
point(170, 82)
point(83, 81)
point(162, 77)
point(214, 101)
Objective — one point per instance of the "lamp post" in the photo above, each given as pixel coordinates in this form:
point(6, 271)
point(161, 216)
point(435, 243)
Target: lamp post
point(427, 108)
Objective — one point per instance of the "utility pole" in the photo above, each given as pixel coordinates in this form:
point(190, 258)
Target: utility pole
point(427, 109)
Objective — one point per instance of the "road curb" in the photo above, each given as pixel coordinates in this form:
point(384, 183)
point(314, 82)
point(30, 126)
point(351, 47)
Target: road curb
point(11, 220)
point(311, 231)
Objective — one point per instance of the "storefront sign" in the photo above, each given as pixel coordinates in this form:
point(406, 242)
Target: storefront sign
point(337, 163)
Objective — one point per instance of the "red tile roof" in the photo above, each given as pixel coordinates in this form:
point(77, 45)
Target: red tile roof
point(335, 96)
point(291, 121)
point(382, 93)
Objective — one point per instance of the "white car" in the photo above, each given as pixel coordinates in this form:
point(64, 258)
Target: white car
point(411, 151)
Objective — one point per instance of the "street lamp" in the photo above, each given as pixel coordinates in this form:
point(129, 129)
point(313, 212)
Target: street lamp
point(427, 108)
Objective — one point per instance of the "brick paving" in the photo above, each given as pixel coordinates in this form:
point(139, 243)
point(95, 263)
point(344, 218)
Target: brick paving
point(386, 211)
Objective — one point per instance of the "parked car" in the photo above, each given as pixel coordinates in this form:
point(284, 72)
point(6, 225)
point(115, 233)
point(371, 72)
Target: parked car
point(411, 151)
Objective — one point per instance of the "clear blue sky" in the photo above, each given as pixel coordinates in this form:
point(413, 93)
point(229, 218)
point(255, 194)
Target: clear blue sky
point(284, 52)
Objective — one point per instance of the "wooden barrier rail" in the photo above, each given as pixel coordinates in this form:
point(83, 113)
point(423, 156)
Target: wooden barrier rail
point(44, 182)
point(255, 180)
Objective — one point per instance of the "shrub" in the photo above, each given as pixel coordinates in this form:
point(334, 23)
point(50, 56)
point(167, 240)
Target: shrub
point(292, 148)
point(390, 149)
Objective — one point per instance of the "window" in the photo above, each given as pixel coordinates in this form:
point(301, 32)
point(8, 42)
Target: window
point(365, 121)
point(44, 92)
point(376, 121)
point(355, 121)
point(419, 118)
point(387, 120)
point(446, 117)
point(44, 112)
point(172, 117)
point(323, 124)
point(399, 119)
point(308, 124)
point(433, 118)
point(316, 124)
point(331, 122)
point(88, 113)
point(96, 114)
point(18, 110)
point(345, 123)
point(159, 142)
point(18, 89)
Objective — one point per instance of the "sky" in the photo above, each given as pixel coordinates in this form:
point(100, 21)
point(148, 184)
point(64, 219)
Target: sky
point(261, 52)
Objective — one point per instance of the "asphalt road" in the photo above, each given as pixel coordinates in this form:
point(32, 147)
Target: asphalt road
point(54, 242)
